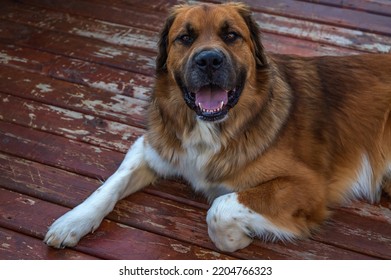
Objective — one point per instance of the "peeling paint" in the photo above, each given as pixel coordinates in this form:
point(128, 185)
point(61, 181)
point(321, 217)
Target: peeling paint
point(32, 117)
point(67, 114)
point(45, 88)
point(202, 254)
point(108, 52)
point(26, 201)
point(180, 248)
point(5, 58)
point(96, 149)
point(342, 37)
point(6, 245)
point(121, 36)
point(141, 92)
point(122, 225)
point(78, 132)
point(112, 87)
point(148, 221)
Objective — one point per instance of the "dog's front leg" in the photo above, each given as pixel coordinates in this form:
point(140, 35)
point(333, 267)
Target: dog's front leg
point(280, 209)
point(132, 175)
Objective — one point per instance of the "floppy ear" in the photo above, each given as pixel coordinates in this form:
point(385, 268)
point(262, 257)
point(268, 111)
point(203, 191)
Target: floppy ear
point(253, 27)
point(161, 58)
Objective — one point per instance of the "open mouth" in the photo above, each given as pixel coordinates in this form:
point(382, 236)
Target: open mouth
point(212, 102)
point(212, 99)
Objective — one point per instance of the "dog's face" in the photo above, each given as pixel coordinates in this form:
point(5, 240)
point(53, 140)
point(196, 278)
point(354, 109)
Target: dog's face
point(210, 52)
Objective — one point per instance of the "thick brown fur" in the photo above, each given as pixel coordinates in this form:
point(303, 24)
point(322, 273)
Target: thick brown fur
point(295, 142)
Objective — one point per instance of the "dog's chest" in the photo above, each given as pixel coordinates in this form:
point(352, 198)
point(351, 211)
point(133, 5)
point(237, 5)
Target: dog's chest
point(194, 166)
point(193, 163)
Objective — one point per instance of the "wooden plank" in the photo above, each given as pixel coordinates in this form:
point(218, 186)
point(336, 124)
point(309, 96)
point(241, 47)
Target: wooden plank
point(57, 151)
point(117, 34)
point(356, 40)
point(324, 14)
point(31, 216)
point(375, 7)
point(78, 98)
point(102, 77)
point(70, 124)
point(367, 236)
point(380, 212)
point(16, 246)
point(296, 9)
point(102, 11)
point(77, 71)
point(45, 182)
point(82, 48)
point(147, 212)
point(123, 35)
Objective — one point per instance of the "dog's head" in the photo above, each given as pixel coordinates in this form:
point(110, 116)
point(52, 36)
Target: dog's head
point(210, 52)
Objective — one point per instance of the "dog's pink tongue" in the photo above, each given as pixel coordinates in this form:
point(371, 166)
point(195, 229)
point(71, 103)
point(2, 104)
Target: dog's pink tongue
point(211, 97)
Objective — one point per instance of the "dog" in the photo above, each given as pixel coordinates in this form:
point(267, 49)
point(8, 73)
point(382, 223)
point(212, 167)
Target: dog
point(273, 141)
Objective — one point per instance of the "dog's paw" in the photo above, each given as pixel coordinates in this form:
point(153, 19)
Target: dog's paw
point(71, 227)
point(227, 224)
point(232, 226)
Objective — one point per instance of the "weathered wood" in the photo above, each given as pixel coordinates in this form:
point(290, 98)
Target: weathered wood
point(77, 47)
point(16, 246)
point(380, 211)
point(146, 212)
point(141, 38)
point(356, 40)
point(77, 71)
point(324, 14)
point(375, 7)
point(78, 98)
point(70, 124)
point(104, 243)
point(57, 151)
point(68, 72)
point(103, 11)
point(367, 236)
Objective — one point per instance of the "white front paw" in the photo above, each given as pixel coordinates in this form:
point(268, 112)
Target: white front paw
point(71, 227)
point(228, 223)
point(231, 225)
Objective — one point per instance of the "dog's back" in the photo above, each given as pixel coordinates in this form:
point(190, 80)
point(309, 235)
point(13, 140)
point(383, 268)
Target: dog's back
point(344, 103)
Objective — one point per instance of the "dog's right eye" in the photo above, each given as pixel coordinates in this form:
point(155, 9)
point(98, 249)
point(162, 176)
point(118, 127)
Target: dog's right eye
point(185, 39)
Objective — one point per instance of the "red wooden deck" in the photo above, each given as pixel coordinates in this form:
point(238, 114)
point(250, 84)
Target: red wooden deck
point(75, 77)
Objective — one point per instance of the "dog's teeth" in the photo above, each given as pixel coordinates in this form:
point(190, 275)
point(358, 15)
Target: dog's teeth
point(221, 105)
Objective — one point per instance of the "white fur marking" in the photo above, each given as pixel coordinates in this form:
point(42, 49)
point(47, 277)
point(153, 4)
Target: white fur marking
point(365, 181)
point(231, 225)
point(131, 176)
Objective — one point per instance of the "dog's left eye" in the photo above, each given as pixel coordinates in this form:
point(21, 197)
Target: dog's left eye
point(185, 39)
point(231, 37)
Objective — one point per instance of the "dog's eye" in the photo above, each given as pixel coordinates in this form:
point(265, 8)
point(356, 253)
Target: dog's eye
point(231, 37)
point(185, 39)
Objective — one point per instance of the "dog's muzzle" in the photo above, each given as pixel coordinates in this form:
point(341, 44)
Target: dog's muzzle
point(210, 84)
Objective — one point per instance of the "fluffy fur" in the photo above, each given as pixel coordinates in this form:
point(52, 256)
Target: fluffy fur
point(304, 135)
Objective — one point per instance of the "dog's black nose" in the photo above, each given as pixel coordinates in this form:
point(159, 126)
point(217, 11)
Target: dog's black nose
point(209, 60)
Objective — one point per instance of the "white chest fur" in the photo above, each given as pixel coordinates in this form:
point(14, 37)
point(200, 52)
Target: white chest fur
point(199, 146)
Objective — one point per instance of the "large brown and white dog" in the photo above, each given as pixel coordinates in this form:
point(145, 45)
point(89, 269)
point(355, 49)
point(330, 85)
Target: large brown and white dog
point(272, 140)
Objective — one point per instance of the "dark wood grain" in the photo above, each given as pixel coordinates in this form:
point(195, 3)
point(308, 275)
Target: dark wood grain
point(75, 80)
